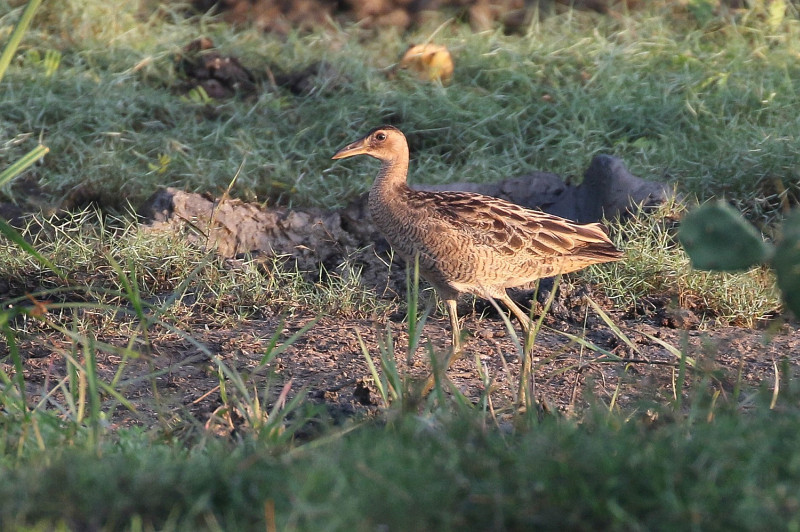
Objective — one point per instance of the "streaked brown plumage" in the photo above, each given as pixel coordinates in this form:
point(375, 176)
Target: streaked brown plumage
point(470, 243)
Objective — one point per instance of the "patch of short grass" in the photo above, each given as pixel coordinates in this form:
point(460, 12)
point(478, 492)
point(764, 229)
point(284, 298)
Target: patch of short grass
point(89, 246)
point(655, 264)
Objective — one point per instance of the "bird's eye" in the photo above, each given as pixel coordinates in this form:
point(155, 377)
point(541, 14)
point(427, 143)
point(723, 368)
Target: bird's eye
point(380, 136)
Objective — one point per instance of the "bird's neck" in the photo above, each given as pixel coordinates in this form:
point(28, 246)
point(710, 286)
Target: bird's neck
point(392, 178)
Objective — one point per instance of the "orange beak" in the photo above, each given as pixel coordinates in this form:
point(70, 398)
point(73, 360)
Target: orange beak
point(358, 147)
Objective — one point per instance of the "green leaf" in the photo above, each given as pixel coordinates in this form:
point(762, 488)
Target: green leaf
point(786, 262)
point(717, 237)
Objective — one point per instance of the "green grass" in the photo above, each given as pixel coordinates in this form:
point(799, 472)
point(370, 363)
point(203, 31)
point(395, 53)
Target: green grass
point(735, 472)
point(708, 105)
point(89, 246)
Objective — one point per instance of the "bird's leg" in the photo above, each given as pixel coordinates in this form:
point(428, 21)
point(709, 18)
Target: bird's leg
point(452, 313)
point(526, 377)
point(455, 329)
point(522, 317)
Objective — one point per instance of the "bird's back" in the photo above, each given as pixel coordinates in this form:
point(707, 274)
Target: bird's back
point(473, 243)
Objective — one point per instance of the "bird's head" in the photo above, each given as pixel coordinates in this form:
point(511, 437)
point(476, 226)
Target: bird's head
point(383, 143)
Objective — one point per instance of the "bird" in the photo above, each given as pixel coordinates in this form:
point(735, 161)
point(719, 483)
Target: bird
point(468, 243)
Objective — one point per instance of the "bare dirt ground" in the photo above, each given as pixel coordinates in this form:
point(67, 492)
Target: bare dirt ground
point(327, 366)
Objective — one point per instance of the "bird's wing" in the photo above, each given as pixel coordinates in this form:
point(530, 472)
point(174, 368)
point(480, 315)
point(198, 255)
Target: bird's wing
point(509, 229)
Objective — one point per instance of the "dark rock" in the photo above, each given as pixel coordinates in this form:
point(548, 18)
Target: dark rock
point(679, 318)
point(318, 77)
point(609, 189)
point(220, 76)
point(13, 214)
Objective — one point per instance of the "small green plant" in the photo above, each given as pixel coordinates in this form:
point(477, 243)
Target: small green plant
point(717, 237)
point(49, 63)
point(401, 393)
point(398, 390)
point(245, 410)
point(198, 95)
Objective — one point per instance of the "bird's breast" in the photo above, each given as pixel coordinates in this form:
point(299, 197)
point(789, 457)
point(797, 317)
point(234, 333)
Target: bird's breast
point(446, 258)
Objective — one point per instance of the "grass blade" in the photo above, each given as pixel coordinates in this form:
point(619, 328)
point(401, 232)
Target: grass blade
point(389, 366)
point(588, 344)
point(611, 325)
point(19, 376)
point(674, 351)
point(90, 360)
point(273, 351)
point(20, 165)
point(372, 369)
point(113, 392)
point(16, 35)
